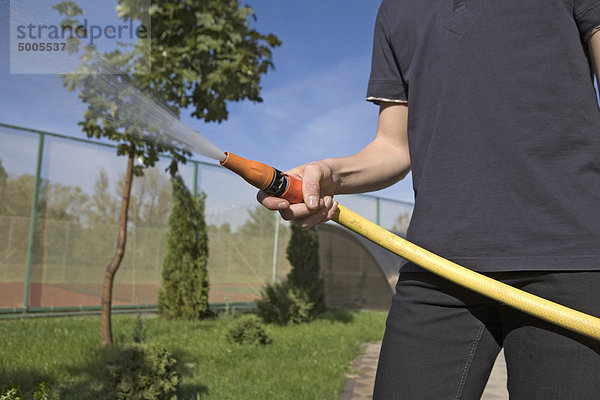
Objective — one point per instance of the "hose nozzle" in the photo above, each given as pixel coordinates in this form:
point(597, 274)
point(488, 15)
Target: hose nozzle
point(265, 177)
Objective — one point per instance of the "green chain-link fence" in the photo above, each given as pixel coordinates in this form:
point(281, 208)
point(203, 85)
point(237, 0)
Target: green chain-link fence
point(59, 201)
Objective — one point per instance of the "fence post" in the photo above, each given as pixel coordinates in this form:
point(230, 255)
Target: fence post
point(195, 183)
point(275, 248)
point(33, 222)
point(377, 211)
point(8, 247)
point(64, 269)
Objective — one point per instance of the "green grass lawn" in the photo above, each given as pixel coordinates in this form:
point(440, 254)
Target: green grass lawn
point(305, 361)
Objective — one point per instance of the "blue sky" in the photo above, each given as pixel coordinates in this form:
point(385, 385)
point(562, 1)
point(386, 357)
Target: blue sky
point(313, 104)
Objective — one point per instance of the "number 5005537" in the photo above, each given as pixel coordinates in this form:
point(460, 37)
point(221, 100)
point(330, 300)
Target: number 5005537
point(26, 46)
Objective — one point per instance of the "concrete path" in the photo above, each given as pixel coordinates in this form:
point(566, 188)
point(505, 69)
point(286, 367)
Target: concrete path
point(359, 386)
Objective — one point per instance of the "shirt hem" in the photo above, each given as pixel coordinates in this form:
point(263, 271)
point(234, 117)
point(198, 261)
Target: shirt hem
point(377, 100)
point(591, 33)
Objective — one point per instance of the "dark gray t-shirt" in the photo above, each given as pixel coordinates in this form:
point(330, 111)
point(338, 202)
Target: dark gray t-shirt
point(503, 127)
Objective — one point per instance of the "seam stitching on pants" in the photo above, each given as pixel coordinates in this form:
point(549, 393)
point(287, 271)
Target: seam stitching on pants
point(463, 378)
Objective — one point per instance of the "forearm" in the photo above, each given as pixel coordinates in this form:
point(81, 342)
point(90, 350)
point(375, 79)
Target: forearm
point(381, 163)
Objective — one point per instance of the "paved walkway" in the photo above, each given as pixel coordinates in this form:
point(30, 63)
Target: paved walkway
point(359, 386)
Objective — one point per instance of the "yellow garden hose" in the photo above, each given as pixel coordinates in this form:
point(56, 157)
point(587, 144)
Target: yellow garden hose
point(547, 310)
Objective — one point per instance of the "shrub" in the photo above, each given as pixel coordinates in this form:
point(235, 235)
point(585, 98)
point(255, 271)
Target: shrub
point(303, 255)
point(11, 394)
point(45, 392)
point(248, 331)
point(184, 292)
point(42, 392)
point(143, 372)
point(139, 333)
point(283, 304)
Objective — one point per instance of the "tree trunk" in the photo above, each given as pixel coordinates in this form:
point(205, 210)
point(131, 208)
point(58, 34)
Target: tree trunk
point(111, 270)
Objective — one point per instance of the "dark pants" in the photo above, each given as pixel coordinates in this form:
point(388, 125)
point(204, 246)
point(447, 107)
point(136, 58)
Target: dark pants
point(441, 340)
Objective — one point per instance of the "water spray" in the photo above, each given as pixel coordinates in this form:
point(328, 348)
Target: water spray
point(279, 184)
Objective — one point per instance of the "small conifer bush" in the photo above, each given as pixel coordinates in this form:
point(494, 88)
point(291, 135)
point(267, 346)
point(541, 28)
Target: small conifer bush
point(45, 392)
point(143, 372)
point(248, 331)
point(283, 304)
point(11, 394)
point(184, 292)
point(139, 333)
point(42, 392)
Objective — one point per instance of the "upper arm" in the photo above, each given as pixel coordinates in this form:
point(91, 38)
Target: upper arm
point(594, 46)
point(392, 128)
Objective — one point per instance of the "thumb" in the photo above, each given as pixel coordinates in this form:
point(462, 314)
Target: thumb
point(311, 189)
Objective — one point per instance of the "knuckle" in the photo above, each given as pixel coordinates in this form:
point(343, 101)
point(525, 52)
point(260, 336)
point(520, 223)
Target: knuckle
point(312, 169)
point(311, 186)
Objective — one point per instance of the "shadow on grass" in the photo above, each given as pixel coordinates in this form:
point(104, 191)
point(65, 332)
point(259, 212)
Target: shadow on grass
point(343, 315)
point(25, 380)
point(71, 382)
point(186, 366)
point(191, 391)
point(91, 381)
point(88, 380)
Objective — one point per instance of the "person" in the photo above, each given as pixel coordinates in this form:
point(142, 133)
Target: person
point(492, 106)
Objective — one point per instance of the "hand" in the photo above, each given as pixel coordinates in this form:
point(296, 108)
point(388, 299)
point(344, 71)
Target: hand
point(317, 190)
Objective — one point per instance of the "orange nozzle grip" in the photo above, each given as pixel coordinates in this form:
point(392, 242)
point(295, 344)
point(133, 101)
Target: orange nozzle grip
point(293, 194)
point(255, 173)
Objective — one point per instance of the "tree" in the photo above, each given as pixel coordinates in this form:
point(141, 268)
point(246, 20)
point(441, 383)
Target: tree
point(260, 223)
point(103, 206)
point(402, 222)
point(151, 199)
point(255, 239)
point(64, 202)
point(203, 54)
point(18, 195)
point(55, 201)
point(184, 292)
point(303, 254)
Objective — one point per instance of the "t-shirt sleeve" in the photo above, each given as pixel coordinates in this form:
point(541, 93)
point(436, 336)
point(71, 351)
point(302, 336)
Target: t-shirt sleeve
point(386, 82)
point(587, 16)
